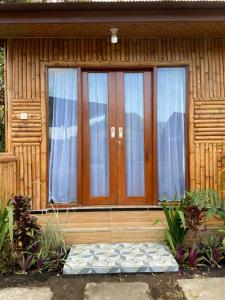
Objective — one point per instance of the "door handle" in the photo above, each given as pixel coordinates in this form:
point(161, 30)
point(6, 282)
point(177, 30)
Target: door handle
point(112, 132)
point(120, 132)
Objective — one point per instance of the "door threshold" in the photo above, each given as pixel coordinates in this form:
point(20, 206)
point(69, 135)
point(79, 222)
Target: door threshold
point(99, 208)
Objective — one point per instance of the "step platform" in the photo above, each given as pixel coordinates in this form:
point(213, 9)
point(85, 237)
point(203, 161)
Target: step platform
point(115, 258)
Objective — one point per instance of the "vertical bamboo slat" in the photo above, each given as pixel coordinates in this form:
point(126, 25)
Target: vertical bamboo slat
point(7, 175)
point(26, 92)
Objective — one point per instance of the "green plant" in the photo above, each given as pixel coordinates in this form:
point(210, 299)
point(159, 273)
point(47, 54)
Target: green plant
point(175, 234)
point(6, 223)
point(6, 235)
point(53, 250)
point(26, 230)
point(195, 218)
point(212, 249)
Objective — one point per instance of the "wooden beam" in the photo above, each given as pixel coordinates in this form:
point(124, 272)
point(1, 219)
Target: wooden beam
point(110, 16)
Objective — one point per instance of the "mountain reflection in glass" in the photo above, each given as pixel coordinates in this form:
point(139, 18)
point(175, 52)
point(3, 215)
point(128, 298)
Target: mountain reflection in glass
point(98, 125)
point(134, 134)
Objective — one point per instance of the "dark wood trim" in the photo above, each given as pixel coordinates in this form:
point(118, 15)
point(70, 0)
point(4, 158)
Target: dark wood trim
point(45, 74)
point(87, 197)
point(148, 137)
point(79, 137)
point(186, 128)
point(85, 140)
point(121, 144)
point(112, 116)
point(155, 148)
point(59, 209)
point(111, 16)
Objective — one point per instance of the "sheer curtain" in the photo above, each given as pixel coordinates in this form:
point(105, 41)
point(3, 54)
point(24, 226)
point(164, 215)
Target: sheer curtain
point(171, 96)
point(98, 124)
point(134, 133)
point(62, 89)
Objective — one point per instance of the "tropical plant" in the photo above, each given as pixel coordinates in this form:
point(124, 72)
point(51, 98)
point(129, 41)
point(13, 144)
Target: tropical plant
point(26, 230)
point(175, 234)
point(53, 250)
point(212, 248)
point(203, 198)
point(195, 218)
point(6, 223)
point(6, 235)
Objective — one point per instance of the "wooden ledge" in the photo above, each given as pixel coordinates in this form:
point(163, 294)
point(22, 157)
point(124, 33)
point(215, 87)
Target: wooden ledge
point(7, 157)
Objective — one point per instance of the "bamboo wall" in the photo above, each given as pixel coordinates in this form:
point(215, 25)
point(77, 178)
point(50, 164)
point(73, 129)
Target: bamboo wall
point(26, 61)
point(7, 176)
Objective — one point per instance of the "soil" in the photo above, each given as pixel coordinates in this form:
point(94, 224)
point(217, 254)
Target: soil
point(162, 285)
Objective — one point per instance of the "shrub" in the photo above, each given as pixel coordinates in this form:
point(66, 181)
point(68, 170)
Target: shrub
point(191, 214)
point(27, 232)
point(195, 218)
point(24, 247)
point(212, 249)
point(175, 234)
point(6, 236)
point(53, 250)
point(6, 223)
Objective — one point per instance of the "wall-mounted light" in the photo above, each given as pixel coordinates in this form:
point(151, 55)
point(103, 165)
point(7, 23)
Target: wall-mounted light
point(114, 37)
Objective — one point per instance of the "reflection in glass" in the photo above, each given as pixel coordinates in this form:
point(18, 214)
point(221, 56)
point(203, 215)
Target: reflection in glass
point(98, 124)
point(62, 92)
point(171, 94)
point(134, 132)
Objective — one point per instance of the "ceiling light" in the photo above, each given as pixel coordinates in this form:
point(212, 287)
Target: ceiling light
point(114, 37)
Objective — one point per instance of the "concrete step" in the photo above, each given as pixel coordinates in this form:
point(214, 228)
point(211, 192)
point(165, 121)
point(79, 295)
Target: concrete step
point(110, 258)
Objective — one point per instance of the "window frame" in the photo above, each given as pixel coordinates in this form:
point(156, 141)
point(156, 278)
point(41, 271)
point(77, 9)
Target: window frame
point(126, 67)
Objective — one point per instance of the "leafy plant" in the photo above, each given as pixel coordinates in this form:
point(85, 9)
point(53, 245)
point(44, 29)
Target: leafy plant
point(175, 234)
point(181, 255)
point(195, 218)
point(6, 235)
point(6, 223)
point(195, 258)
point(26, 229)
point(53, 250)
point(212, 248)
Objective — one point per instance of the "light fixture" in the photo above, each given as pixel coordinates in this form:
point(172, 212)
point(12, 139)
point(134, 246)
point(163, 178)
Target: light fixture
point(114, 37)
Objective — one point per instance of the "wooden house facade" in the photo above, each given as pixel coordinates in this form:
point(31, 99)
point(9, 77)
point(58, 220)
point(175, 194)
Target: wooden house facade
point(155, 41)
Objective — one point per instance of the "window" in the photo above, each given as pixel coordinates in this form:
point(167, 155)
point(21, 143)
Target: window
point(62, 92)
point(171, 104)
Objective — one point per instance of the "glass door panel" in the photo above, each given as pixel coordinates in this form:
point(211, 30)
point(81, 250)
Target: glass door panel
point(63, 135)
point(98, 129)
point(117, 138)
point(134, 134)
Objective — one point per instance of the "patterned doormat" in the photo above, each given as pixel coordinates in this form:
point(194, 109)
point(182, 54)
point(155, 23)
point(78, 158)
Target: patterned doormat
point(119, 258)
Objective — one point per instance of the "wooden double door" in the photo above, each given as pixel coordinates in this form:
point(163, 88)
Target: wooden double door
point(117, 137)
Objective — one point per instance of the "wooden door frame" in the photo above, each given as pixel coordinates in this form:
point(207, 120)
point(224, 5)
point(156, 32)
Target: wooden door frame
point(111, 199)
point(114, 66)
point(147, 199)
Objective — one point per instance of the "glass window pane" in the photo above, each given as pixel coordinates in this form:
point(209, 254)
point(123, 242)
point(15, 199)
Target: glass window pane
point(62, 92)
point(134, 132)
point(171, 96)
point(98, 124)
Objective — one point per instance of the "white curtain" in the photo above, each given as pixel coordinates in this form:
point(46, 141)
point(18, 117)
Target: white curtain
point(171, 96)
point(134, 134)
point(98, 124)
point(62, 89)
